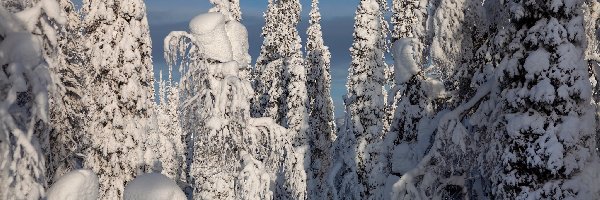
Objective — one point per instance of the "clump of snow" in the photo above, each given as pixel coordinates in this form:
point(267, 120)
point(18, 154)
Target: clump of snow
point(76, 185)
point(153, 186)
point(206, 22)
point(537, 62)
point(238, 36)
point(434, 88)
point(209, 34)
point(30, 17)
point(405, 65)
point(23, 48)
point(253, 181)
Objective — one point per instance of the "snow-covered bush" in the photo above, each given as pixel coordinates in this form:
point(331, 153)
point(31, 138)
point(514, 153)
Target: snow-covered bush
point(153, 186)
point(76, 185)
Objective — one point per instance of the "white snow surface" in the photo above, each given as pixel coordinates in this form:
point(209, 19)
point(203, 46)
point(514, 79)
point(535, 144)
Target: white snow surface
point(76, 185)
point(405, 65)
point(153, 186)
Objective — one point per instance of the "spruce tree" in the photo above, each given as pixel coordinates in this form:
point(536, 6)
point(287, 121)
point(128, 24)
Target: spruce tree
point(280, 86)
point(364, 106)
point(28, 44)
point(545, 130)
point(321, 119)
point(119, 82)
point(67, 111)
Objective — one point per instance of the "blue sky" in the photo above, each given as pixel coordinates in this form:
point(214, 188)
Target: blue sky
point(337, 22)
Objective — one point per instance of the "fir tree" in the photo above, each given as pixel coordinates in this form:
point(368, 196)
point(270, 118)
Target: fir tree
point(67, 111)
point(364, 106)
point(280, 84)
point(26, 44)
point(120, 90)
point(545, 130)
point(321, 121)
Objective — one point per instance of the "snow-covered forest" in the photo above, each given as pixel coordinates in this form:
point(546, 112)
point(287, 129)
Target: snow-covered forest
point(446, 99)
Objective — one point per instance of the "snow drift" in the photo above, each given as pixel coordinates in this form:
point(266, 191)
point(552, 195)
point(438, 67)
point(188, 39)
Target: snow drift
point(153, 186)
point(76, 185)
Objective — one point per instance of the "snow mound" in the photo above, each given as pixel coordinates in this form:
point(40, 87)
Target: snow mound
point(205, 23)
point(209, 34)
point(238, 36)
point(153, 186)
point(76, 185)
point(405, 65)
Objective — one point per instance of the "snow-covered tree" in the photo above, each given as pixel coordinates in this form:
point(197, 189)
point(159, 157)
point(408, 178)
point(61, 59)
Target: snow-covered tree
point(544, 131)
point(280, 84)
point(364, 108)
point(119, 86)
point(592, 53)
point(25, 34)
point(321, 133)
point(409, 101)
point(17, 5)
point(281, 40)
point(215, 108)
point(67, 112)
point(421, 99)
point(163, 148)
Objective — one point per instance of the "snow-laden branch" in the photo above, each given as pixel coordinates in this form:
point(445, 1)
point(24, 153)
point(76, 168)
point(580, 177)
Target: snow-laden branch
point(449, 126)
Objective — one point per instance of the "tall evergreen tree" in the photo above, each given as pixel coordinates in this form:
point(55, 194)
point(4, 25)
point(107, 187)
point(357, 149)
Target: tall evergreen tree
point(163, 143)
point(411, 98)
point(28, 46)
point(545, 129)
point(280, 84)
point(364, 106)
point(120, 90)
point(321, 119)
point(67, 112)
